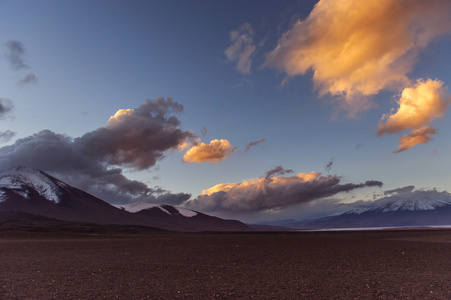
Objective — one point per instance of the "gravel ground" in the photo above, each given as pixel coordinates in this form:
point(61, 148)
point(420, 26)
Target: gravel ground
point(341, 265)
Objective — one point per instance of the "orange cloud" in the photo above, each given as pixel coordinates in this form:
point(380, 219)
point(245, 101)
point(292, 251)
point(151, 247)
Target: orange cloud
point(272, 192)
point(216, 151)
point(415, 137)
point(357, 48)
point(418, 105)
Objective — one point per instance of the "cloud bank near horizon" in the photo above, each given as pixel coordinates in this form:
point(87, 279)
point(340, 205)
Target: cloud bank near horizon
point(271, 192)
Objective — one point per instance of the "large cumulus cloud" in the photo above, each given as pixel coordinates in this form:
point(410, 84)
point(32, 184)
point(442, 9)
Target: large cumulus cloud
point(360, 47)
point(271, 192)
point(132, 138)
point(355, 49)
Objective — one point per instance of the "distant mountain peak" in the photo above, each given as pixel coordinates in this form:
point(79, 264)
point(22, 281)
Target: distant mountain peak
point(413, 201)
point(22, 180)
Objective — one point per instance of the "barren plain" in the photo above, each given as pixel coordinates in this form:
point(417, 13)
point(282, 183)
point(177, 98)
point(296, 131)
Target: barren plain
point(406, 264)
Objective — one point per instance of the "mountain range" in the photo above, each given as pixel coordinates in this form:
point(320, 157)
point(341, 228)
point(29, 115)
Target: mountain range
point(411, 209)
point(32, 192)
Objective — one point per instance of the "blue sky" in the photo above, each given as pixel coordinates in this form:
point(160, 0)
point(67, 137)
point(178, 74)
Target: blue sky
point(86, 60)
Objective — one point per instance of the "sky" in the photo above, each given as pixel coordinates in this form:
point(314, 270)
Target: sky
point(281, 110)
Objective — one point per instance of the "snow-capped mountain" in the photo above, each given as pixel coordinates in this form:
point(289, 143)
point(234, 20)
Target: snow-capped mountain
point(418, 208)
point(415, 201)
point(22, 181)
point(35, 192)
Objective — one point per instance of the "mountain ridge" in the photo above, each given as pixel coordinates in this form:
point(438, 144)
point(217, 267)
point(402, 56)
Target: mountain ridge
point(34, 192)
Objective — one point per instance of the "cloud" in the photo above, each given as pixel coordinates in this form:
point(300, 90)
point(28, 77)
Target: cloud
point(277, 171)
point(15, 55)
point(259, 194)
point(29, 78)
point(203, 131)
point(242, 48)
point(357, 48)
point(415, 137)
point(6, 136)
point(6, 106)
point(418, 105)
point(252, 144)
point(329, 164)
point(137, 138)
point(216, 151)
point(402, 190)
point(132, 138)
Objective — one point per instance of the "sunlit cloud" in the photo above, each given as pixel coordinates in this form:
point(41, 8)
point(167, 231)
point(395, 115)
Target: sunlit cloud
point(357, 48)
point(418, 105)
point(415, 137)
point(216, 151)
point(242, 48)
point(271, 192)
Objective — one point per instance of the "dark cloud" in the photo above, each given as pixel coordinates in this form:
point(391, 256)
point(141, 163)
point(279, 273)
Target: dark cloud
point(252, 144)
point(277, 171)
point(6, 106)
point(29, 78)
point(203, 131)
point(6, 136)
point(134, 138)
point(259, 194)
point(402, 190)
point(329, 164)
point(15, 55)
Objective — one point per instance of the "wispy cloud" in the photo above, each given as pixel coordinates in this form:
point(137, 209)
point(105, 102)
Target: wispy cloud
point(6, 106)
point(132, 138)
point(29, 78)
point(242, 48)
point(402, 190)
point(15, 54)
point(215, 151)
point(277, 171)
point(329, 164)
point(259, 194)
point(6, 136)
point(252, 144)
point(357, 48)
point(421, 135)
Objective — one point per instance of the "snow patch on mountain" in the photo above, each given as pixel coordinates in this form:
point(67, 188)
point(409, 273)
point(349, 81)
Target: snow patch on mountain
point(22, 180)
point(413, 201)
point(138, 206)
point(186, 212)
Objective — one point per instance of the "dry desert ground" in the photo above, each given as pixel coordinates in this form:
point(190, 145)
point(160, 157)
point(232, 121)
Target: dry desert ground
point(407, 264)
